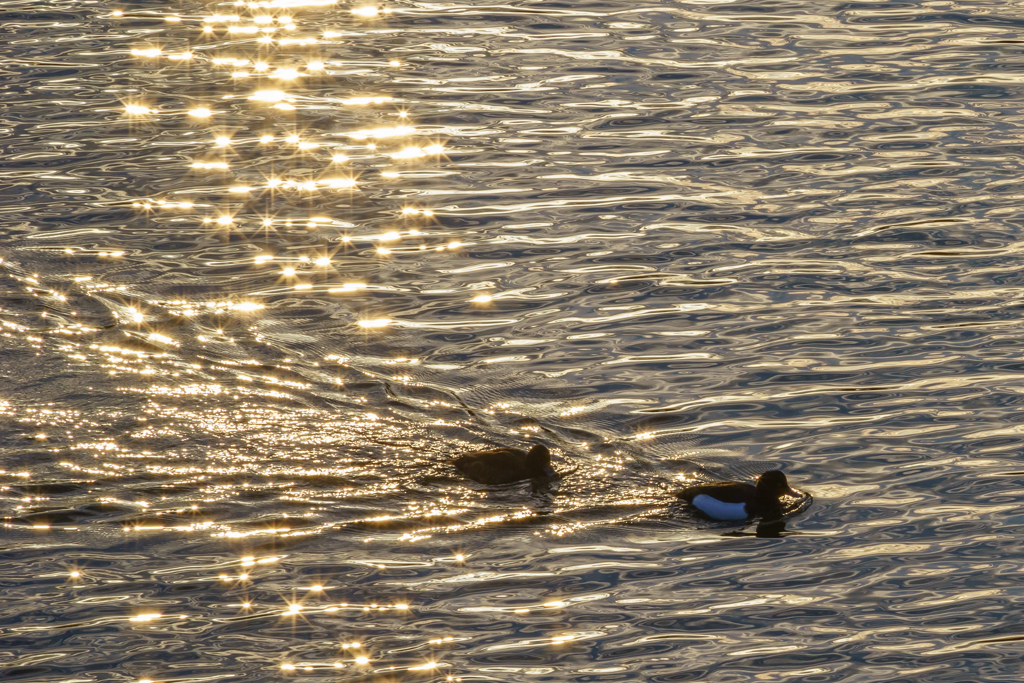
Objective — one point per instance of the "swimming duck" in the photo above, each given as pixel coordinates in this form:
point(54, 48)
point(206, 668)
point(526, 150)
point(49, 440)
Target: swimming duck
point(505, 465)
point(735, 500)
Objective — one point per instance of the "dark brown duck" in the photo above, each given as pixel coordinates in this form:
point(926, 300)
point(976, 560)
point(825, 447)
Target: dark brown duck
point(505, 465)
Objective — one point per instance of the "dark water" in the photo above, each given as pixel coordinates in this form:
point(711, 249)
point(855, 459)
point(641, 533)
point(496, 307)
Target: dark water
point(263, 274)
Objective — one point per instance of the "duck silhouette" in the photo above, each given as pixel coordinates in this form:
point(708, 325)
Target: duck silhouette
point(505, 465)
point(736, 500)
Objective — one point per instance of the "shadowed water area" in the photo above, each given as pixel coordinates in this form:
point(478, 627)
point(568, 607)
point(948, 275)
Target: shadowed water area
point(267, 267)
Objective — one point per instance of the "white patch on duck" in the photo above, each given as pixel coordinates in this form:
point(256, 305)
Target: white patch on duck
point(716, 509)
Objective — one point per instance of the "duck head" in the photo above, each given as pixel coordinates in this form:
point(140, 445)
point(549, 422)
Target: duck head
point(538, 459)
point(773, 485)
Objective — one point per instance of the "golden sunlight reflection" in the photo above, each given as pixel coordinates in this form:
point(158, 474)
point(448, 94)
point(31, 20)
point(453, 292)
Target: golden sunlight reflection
point(417, 152)
point(369, 11)
point(269, 96)
point(162, 339)
point(338, 183)
point(409, 153)
point(221, 18)
point(373, 99)
point(285, 74)
point(230, 61)
point(273, 165)
point(149, 204)
point(348, 287)
point(137, 110)
point(146, 617)
point(379, 133)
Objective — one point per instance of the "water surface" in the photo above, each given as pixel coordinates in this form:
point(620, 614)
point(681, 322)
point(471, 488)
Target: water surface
point(268, 266)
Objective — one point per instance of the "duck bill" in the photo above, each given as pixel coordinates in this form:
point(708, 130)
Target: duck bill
point(793, 493)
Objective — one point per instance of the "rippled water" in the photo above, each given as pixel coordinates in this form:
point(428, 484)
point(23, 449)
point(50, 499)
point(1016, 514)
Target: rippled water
point(267, 266)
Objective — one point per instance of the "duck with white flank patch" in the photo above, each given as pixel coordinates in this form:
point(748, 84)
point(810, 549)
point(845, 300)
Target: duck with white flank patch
point(737, 500)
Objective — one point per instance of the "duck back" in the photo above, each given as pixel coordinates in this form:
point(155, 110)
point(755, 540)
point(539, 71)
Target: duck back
point(495, 466)
point(727, 492)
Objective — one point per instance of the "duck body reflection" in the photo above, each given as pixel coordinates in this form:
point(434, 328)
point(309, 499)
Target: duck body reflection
point(505, 465)
point(736, 500)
